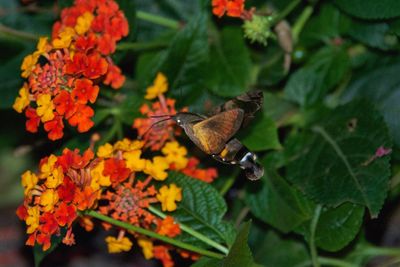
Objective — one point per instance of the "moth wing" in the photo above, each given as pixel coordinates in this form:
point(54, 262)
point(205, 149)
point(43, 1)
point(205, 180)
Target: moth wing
point(249, 102)
point(213, 133)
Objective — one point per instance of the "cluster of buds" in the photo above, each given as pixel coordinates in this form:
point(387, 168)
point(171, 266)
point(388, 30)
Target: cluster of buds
point(63, 73)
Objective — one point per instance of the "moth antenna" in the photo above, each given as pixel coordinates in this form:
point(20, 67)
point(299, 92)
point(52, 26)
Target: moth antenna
point(154, 124)
point(160, 116)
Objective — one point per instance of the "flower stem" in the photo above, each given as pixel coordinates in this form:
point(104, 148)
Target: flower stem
point(152, 234)
point(289, 8)
point(134, 46)
point(300, 22)
point(169, 23)
point(335, 262)
point(17, 34)
point(193, 232)
point(313, 228)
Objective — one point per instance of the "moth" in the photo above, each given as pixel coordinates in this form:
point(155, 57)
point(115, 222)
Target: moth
point(214, 134)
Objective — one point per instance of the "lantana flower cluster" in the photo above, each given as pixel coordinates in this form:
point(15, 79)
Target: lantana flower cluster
point(63, 74)
point(116, 182)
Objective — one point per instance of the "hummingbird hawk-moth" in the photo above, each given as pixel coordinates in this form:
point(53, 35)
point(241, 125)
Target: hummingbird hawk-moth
point(215, 134)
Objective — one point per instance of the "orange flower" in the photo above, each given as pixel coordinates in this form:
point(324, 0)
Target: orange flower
point(162, 253)
point(96, 66)
point(206, 175)
point(116, 169)
point(233, 8)
point(85, 91)
point(82, 118)
point(168, 227)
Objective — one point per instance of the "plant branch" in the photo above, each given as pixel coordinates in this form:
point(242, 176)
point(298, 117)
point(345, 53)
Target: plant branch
point(18, 34)
point(313, 228)
point(300, 22)
point(152, 234)
point(193, 232)
point(286, 11)
point(169, 23)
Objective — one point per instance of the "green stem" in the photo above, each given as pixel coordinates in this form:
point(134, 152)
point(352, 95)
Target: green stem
point(300, 22)
point(193, 232)
point(17, 34)
point(152, 234)
point(289, 8)
point(381, 251)
point(313, 228)
point(335, 262)
point(169, 23)
point(227, 185)
point(141, 46)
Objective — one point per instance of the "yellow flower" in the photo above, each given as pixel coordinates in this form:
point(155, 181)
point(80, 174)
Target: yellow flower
point(83, 23)
point(45, 107)
point(55, 179)
point(118, 245)
point(29, 180)
point(28, 64)
point(159, 86)
point(98, 179)
point(168, 196)
point(175, 154)
point(47, 167)
point(157, 168)
point(105, 151)
point(147, 247)
point(65, 38)
point(42, 46)
point(22, 101)
point(33, 219)
point(48, 199)
point(133, 160)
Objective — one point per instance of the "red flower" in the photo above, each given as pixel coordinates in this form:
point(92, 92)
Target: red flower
point(81, 118)
point(72, 159)
point(84, 199)
point(114, 77)
point(233, 8)
point(116, 169)
point(33, 121)
point(66, 191)
point(85, 90)
point(42, 239)
point(96, 66)
point(86, 43)
point(48, 224)
point(106, 44)
point(22, 212)
point(55, 128)
point(119, 26)
point(65, 214)
point(64, 104)
point(77, 65)
point(162, 253)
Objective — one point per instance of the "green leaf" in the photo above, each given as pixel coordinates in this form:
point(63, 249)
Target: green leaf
point(271, 250)
point(336, 227)
point(262, 134)
point(184, 62)
point(39, 254)
point(229, 68)
point(374, 34)
point(333, 162)
point(202, 209)
point(275, 202)
point(381, 85)
point(326, 69)
point(370, 9)
point(239, 255)
point(327, 24)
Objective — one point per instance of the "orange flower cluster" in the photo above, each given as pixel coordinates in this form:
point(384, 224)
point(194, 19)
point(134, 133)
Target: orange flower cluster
point(62, 187)
point(233, 8)
point(63, 73)
point(115, 182)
